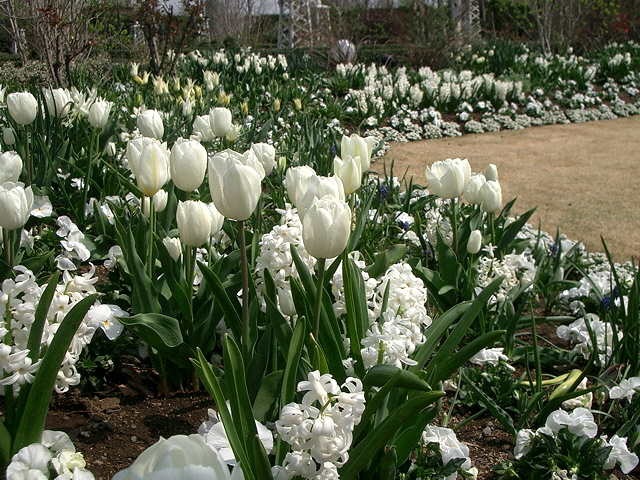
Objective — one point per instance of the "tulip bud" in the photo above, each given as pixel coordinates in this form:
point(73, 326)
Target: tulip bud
point(326, 227)
point(285, 302)
point(22, 107)
point(491, 195)
point(235, 184)
point(194, 222)
point(244, 108)
point(276, 105)
point(110, 149)
point(10, 167)
point(187, 107)
point(188, 164)
point(491, 173)
point(99, 113)
point(202, 126)
point(472, 193)
point(159, 202)
point(217, 219)
point(149, 163)
point(150, 124)
point(15, 205)
point(173, 246)
point(294, 181)
point(134, 69)
point(58, 101)
point(449, 178)
point(266, 155)
point(220, 121)
point(297, 104)
point(9, 136)
point(357, 146)
point(349, 172)
point(316, 187)
point(475, 242)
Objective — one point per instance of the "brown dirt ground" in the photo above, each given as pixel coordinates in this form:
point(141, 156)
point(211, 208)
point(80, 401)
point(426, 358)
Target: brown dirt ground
point(582, 177)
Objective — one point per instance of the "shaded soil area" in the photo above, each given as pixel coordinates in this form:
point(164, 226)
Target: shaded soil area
point(582, 177)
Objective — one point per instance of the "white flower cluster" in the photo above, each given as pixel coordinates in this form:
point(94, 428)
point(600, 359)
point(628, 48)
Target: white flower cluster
point(450, 448)
point(579, 333)
point(275, 257)
point(320, 429)
point(579, 422)
point(18, 302)
point(55, 453)
point(518, 270)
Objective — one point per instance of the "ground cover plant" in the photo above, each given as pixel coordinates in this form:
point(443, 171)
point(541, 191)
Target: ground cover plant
point(223, 224)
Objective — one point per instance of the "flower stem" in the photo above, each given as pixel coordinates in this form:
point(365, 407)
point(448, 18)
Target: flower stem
point(246, 349)
point(454, 226)
point(318, 299)
point(190, 268)
point(152, 221)
point(8, 248)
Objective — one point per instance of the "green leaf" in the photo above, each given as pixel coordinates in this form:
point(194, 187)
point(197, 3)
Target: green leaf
point(382, 260)
point(35, 413)
point(380, 436)
point(379, 375)
point(267, 397)
point(40, 317)
point(357, 316)
point(510, 233)
point(5, 447)
point(212, 384)
point(230, 308)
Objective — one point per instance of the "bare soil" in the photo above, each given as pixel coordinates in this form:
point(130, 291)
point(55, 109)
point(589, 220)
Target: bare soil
point(583, 178)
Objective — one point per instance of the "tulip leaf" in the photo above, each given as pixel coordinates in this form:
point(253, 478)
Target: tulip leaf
point(281, 327)
point(212, 384)
point(40, 318)
point(448, 262)
point(357, 312)
point(379, 375)
point(383, 260)
point(372, 404)
point(369, 446)
point(32, 419)
point(5, 447)
point(267, 397)
point(230, 308)
point(510, 233)
point(178, 287)
point(410, 434)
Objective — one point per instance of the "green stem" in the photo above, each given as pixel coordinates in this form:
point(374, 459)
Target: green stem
point(93, 142)
point(246, 331)
point(27, 160)
point(318, 299)
point(454, 226)
point(190, 267)
point(8, 248)
point(152, 221)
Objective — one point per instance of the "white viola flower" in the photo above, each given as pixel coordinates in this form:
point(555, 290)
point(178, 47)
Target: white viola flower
point(450, 447)
point(106, 317)
point(579, 422)
point(489, 356)
point(215, 434)
point(41, 206)
point(114, 254)
point(625, 389)
point(32, 457)
point(523, 442)
point(621, 455)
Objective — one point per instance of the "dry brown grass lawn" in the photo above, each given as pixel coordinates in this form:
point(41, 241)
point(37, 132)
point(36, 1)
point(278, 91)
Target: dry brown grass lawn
point(582, 177)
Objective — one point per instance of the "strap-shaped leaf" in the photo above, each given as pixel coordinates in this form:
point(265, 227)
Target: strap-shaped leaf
point(40, 317)
point(368, 448)
point(35, 412)
point(230, 308)
point(357, 313)
point(382, 260)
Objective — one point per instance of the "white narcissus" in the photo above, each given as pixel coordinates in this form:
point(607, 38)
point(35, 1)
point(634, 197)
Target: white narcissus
point(22, 107)
point(15, 205)
point(194, 222)
point(188, 164)
point(10, 167)
point(150, 124)
point(326, 227)
point(448, 178)
point(149, 163)
point(235, 182)
point(179, 456)
point(349, 171)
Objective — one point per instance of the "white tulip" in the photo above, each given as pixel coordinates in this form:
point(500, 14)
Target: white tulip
point(9, 136)
point(149, 162)
point(472, 192)
point(202, 126)
point(220, 121)
point(150, 124)
point(491, 195)
point(295, 181)
point(22, 107)
point(173, 246)
point(357, 146)
point(448, 178)
point(10, 167)
point(266, 155)
point(15, 205)
point(194, 222)
point(349, 171)
point(491, 173)
point(188, 161)
point(326, 227)
point(316, 187)
point(474, 244)
point(99, 113)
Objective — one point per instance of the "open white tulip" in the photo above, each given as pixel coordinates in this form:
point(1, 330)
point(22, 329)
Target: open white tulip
point(58, 101)
point(448, 178)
